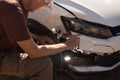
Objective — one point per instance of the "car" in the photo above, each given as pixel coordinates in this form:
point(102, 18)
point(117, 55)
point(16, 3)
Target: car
point(98, 25)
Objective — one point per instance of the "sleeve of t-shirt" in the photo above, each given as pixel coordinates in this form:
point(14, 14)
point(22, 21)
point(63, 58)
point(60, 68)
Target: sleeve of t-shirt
point(15, 24)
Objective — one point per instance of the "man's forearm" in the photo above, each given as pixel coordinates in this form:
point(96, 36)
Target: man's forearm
point(35, 51)
point(52, 49)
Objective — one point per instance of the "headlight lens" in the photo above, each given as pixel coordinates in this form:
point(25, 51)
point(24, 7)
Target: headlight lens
point(88, 28)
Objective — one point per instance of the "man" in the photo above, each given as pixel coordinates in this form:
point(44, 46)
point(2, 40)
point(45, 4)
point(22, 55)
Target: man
point(34, 64)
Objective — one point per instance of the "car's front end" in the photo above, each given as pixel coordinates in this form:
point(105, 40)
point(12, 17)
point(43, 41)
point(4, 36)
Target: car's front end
point(96, 22)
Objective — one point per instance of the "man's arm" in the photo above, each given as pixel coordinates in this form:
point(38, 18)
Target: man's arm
point(35, 51)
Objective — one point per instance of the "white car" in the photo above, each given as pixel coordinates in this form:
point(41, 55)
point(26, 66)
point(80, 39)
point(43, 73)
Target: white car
point(97, 22)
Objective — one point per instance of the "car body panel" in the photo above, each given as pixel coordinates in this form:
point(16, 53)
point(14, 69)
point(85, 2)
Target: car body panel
point(102, 11)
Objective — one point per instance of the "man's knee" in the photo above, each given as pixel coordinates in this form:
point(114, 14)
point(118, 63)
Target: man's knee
point(38, 64)
point(44, 61)
point(39, 68)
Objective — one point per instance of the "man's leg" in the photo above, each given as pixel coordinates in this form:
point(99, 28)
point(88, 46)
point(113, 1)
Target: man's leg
point(25, 67)
point(37, 69)
point(9, 64)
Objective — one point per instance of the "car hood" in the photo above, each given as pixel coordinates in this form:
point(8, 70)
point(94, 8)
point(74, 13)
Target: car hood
point(101, 11)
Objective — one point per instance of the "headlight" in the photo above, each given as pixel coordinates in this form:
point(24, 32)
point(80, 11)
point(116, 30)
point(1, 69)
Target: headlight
point(87, 28)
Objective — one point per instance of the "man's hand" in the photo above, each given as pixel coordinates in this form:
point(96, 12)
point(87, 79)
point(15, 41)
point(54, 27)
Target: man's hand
point(45, 2)
point(32, 5)
point(73, 41)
